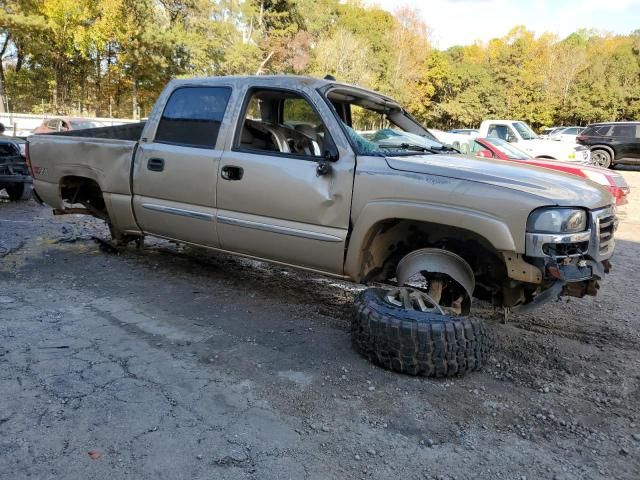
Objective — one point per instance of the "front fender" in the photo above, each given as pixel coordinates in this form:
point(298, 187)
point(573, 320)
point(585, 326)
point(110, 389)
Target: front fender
point(493, 229)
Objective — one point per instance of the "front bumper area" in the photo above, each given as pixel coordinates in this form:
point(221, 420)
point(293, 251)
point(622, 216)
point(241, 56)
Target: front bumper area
point(596, 243)
point(572, 264)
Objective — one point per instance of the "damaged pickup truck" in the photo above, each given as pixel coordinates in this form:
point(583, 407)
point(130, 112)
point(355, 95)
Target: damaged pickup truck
point(275, 168)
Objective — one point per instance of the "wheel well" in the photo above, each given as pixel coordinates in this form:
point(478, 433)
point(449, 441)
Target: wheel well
point(85, 191)
point(548, 157)
point(390, 240)
point(606, 148)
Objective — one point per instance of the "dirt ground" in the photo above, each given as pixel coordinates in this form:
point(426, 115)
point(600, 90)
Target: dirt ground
point(178, 363)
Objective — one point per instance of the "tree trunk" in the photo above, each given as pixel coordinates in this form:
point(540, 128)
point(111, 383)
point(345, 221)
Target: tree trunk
point(134, 95)
point(98, 98)
point(3, 50)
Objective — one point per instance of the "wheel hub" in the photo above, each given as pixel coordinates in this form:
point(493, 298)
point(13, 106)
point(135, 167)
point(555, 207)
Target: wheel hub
point(413, 299)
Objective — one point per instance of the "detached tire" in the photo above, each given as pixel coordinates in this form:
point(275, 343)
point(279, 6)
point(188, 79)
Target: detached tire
point(417, 343)
point(19, 192)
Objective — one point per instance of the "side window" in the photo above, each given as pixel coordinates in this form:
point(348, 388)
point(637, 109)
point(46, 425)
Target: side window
point(500, 131)
point(192, 116)
point(628, 131)
point(282, 122)
point(603, 130)
point(571, 131)
point(53, 124)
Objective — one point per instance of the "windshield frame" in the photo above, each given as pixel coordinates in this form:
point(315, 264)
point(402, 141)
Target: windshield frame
point(391, 105)
point(507, 149)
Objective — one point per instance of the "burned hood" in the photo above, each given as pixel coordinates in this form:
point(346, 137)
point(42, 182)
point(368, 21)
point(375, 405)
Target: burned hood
point(553, 186)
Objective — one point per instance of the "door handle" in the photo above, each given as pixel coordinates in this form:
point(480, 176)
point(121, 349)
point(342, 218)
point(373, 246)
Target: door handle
point(229, 172)
point(155, 164)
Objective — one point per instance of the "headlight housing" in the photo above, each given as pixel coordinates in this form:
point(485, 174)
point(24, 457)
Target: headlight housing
point(557, 220)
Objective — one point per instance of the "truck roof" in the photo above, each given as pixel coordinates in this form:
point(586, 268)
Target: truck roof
point(276, 80)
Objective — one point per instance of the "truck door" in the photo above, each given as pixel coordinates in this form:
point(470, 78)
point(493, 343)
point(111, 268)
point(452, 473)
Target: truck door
point(277, 197)
point(175, 172)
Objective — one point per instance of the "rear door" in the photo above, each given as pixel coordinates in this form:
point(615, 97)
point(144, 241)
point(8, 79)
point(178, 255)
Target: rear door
point(175, 172)
point(273, 202)
point(625, 141)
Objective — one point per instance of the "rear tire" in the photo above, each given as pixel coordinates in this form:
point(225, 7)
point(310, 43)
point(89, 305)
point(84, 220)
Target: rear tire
point(601, 158)
point(19, 192)
point(417, 343)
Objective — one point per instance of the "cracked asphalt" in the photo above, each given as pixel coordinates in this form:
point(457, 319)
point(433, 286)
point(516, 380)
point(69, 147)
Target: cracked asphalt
point(180, 363)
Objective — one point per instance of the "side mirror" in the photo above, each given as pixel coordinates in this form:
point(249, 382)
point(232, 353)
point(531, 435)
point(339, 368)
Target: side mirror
point(330, 155)
point(484, 154)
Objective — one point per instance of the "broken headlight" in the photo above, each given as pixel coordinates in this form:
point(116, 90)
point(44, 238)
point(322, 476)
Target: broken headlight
point(557, 220)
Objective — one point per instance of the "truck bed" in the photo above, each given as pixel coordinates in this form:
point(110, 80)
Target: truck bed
point(101, 154)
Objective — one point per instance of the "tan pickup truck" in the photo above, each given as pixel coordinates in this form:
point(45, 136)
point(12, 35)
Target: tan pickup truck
point(340, 180)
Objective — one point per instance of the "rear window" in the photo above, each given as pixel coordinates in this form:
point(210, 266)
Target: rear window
point(597, 130)
point(192, 116)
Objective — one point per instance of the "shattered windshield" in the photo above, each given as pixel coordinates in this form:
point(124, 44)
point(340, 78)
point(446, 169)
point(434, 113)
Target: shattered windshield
point(379, 128)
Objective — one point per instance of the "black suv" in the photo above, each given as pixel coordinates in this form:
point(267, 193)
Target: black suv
point(612, 142)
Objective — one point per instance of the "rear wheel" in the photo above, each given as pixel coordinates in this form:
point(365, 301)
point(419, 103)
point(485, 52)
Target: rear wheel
point(601, 158)
point(19, 191)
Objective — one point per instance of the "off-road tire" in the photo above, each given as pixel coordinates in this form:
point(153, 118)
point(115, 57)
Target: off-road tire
point(417, 343)
point(19, 192)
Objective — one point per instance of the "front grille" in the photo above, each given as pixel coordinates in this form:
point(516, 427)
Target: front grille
point(603, 227)
point(605, 232)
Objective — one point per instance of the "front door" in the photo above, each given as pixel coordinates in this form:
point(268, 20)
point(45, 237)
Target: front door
point(273, 202)
point(175, 173)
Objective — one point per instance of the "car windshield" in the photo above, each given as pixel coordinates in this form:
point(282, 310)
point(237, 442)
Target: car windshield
point(525, 132)
point(508, 149)
point(82, 124)
point(378, 127)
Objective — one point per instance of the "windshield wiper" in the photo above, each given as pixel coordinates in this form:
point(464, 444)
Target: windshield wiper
point(419, 148)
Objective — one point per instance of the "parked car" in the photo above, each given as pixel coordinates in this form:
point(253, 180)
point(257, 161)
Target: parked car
point(65, 124)
point(520, 134)
point(14, 175)
point(497, 148)
point(566, 134)
point(548, 131)
point(273, 167)
point(464, 131)
point(613, 143)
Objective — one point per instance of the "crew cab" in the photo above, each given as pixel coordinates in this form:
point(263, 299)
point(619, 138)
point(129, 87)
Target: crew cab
point(520, 134)
point(278, 168)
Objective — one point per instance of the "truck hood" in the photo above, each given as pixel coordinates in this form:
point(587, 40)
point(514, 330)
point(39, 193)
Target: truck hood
point(554, 187)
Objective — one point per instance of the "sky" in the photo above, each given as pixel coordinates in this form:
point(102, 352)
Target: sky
point(461, 22)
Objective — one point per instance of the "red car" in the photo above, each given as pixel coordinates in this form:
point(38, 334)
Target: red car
point(64, 124)
point(498, 148)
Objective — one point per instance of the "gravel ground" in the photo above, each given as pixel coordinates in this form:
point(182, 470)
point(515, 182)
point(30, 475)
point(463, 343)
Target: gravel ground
point(174, 362)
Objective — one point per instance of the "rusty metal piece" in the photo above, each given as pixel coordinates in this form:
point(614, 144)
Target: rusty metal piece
point(519, 269)
point(580, 289)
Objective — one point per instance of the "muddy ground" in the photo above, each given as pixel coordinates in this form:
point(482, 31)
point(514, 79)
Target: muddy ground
point(179, 363)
